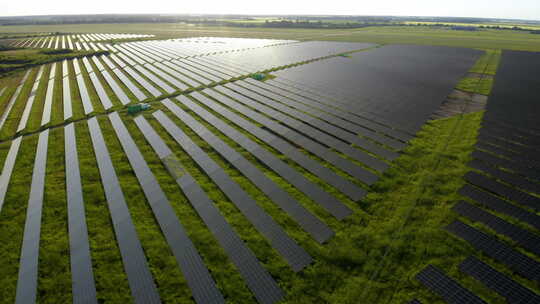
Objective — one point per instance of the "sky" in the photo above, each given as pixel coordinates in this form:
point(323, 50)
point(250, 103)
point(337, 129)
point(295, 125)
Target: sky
point(506, 9)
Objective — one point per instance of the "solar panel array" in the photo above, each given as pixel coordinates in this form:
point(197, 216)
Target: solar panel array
point(257, 278)
point(135, 71)
point(501, 283)
point(503, 188)
point(446, 287)
point(143, 288)
point(275, 130)
point(74, 41)
point(379, 83)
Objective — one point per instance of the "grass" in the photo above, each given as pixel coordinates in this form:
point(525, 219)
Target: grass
point(20, 59)
point(12, 121)
point(485, 68)
point(476, 85)
point(480, 65)
point(13, 217)
point(54, 277)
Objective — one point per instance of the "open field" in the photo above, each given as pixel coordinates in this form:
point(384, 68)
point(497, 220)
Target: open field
point(326, 182)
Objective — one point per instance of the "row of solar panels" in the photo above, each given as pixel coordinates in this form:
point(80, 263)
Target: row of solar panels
point(199, 279)
point(504, 190)
point(70, 41)
point(159, 78)
point(140, 279)
point(95, 79)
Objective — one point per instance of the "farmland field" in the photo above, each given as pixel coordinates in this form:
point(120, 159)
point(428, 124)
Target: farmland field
point(369, 165)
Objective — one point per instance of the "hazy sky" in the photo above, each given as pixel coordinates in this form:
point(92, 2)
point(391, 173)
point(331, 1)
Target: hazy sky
point(516, 9)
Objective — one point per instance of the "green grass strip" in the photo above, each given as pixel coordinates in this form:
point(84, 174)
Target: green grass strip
point(54, 278)
point(13, 217)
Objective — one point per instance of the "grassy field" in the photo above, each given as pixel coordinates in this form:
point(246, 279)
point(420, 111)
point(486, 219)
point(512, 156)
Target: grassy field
point(486, 39)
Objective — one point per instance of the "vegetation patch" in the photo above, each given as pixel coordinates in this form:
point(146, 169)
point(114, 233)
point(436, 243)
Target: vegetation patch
point(18, 59)
point(476, 85)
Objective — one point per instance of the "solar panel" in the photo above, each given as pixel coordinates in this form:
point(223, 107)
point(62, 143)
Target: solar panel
point(263, 105)
point(329, 176)
point(503, 190)
point(82, 276)
point(28, 267)
point(497, 250)
point(341, 118)
point(66, 98)
point(11, 102)
point(141, 282)
point(210, 73)
point(171, 69)
point(103, 97)
point(76, 66)
point(30, 102)
point(180, 85)
point(499, 205)
point(108, 62)
point(509, 135)
point(184, 69)
point(523, 237)
point(150, 88)
point(87, 65)
point(284, 104)
point(448, 289)
point(505, 163)
point(359, 117)
point(202, 285)
point(125, 58)
point(514, 156)
point(317, 194)
point(200, 70)
point(500, 283)
point(9, 163)
point(47, 107)
point(132, 87)
point(515, 180)
point(98, 64)
point(257, 278)
point(52, 73)
point(295, 137)
point(116, 88)
point(85, 97)
point(135, 55)
point(290, 205)
point(154, 79)
point(118, 61)
point(508, 145)
point(297, 257)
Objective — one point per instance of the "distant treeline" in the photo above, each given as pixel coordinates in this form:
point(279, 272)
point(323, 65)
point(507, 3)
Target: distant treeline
point(291, 21)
